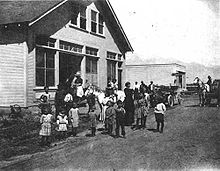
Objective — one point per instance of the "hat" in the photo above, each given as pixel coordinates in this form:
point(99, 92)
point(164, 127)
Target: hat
point(78, 73)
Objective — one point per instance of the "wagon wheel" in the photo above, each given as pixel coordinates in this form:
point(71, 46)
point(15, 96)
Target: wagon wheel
point(170, 100)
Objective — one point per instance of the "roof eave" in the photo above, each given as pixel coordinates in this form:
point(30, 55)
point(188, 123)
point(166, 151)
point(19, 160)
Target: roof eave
point(118, 23)
point(46, 13)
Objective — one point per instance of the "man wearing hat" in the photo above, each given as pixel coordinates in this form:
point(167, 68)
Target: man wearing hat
point(209, 82)
point(78, 81)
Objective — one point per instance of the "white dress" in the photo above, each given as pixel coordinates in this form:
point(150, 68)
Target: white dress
point(62, 122)
point(45, 121)
point(74, 117)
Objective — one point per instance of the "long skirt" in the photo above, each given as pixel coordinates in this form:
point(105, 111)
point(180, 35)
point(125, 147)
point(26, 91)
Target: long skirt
point(45, 129)
point(129, 108)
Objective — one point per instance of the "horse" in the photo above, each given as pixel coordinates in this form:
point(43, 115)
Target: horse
point(203, 88)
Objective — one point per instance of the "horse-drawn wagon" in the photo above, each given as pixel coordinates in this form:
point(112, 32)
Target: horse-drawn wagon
point(214, 92)
point(170, 95)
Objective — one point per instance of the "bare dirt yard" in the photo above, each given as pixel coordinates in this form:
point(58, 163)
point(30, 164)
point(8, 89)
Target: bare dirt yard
point(191, 140)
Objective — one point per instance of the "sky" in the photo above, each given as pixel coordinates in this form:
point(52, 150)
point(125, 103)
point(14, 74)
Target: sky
point(186, 30)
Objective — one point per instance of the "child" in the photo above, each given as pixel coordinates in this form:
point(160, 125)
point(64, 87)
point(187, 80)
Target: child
point(45, 104)
point(45, 94)
point(74, 118)
point(62, 124)
point(68, 99)
point(159, 111)
point(110, 117)
point(91, 100)
point(45, 132)
point(141, 111)
point(93, 120)
point(120, 119)
point(144, 109)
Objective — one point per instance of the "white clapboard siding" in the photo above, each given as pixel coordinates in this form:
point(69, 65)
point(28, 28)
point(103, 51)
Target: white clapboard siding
point(12, 79)
point(30, 77)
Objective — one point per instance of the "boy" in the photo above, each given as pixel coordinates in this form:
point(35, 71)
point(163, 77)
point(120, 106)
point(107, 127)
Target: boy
point(159, 111)
point(93, 120)
point(120, 119)
point(110, 117)
point(141, 111)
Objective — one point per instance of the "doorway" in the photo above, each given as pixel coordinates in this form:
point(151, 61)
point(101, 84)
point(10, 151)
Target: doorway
point(68, 64)
point(120, 79)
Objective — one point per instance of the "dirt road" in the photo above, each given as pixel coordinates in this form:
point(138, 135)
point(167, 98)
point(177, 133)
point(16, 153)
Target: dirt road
point(191, 140)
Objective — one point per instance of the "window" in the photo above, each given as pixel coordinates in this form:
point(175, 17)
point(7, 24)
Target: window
point(91, 51)
point(79, 16)
point(45, 41)
point(111, 55)
point(101, 24)
point(71, 47)
point(111, 69)
point(93, 21)
point(91, 65)
point(45, 67)
point(119, 57)
point(83, 17)
point(97, 26)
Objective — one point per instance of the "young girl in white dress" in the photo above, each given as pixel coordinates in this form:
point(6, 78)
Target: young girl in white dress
point(62, 122)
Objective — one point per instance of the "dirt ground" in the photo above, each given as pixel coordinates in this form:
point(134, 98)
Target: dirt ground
point(191, 140)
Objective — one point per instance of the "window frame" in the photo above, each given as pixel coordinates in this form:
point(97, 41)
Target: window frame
point(111, 55)
point(93, 21)
point(111, 66)
point(77, 13)
point(70, 47)
point(91, 61)
point(99, 22)
point(45, 67)
point(91, 49)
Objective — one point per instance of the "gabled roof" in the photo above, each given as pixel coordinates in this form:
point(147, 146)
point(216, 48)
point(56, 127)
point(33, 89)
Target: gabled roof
point(118, 23)
point(32, 11)
point(24, 10)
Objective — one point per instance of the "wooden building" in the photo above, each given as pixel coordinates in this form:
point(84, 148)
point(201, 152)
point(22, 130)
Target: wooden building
point(43, 42)
point(160, 74)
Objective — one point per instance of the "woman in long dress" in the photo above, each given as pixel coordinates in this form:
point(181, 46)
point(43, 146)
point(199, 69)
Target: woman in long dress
point(129, 104)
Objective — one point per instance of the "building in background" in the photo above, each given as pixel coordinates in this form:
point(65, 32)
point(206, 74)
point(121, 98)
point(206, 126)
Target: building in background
point(160, 74)
point(44, 42)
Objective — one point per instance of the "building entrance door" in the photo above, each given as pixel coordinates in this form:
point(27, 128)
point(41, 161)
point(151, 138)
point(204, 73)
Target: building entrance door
point(68, 64)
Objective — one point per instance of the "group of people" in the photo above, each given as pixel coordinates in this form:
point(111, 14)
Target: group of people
point(118, 114)
point(67, 112)
point(137, 106)
point(67, 116)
